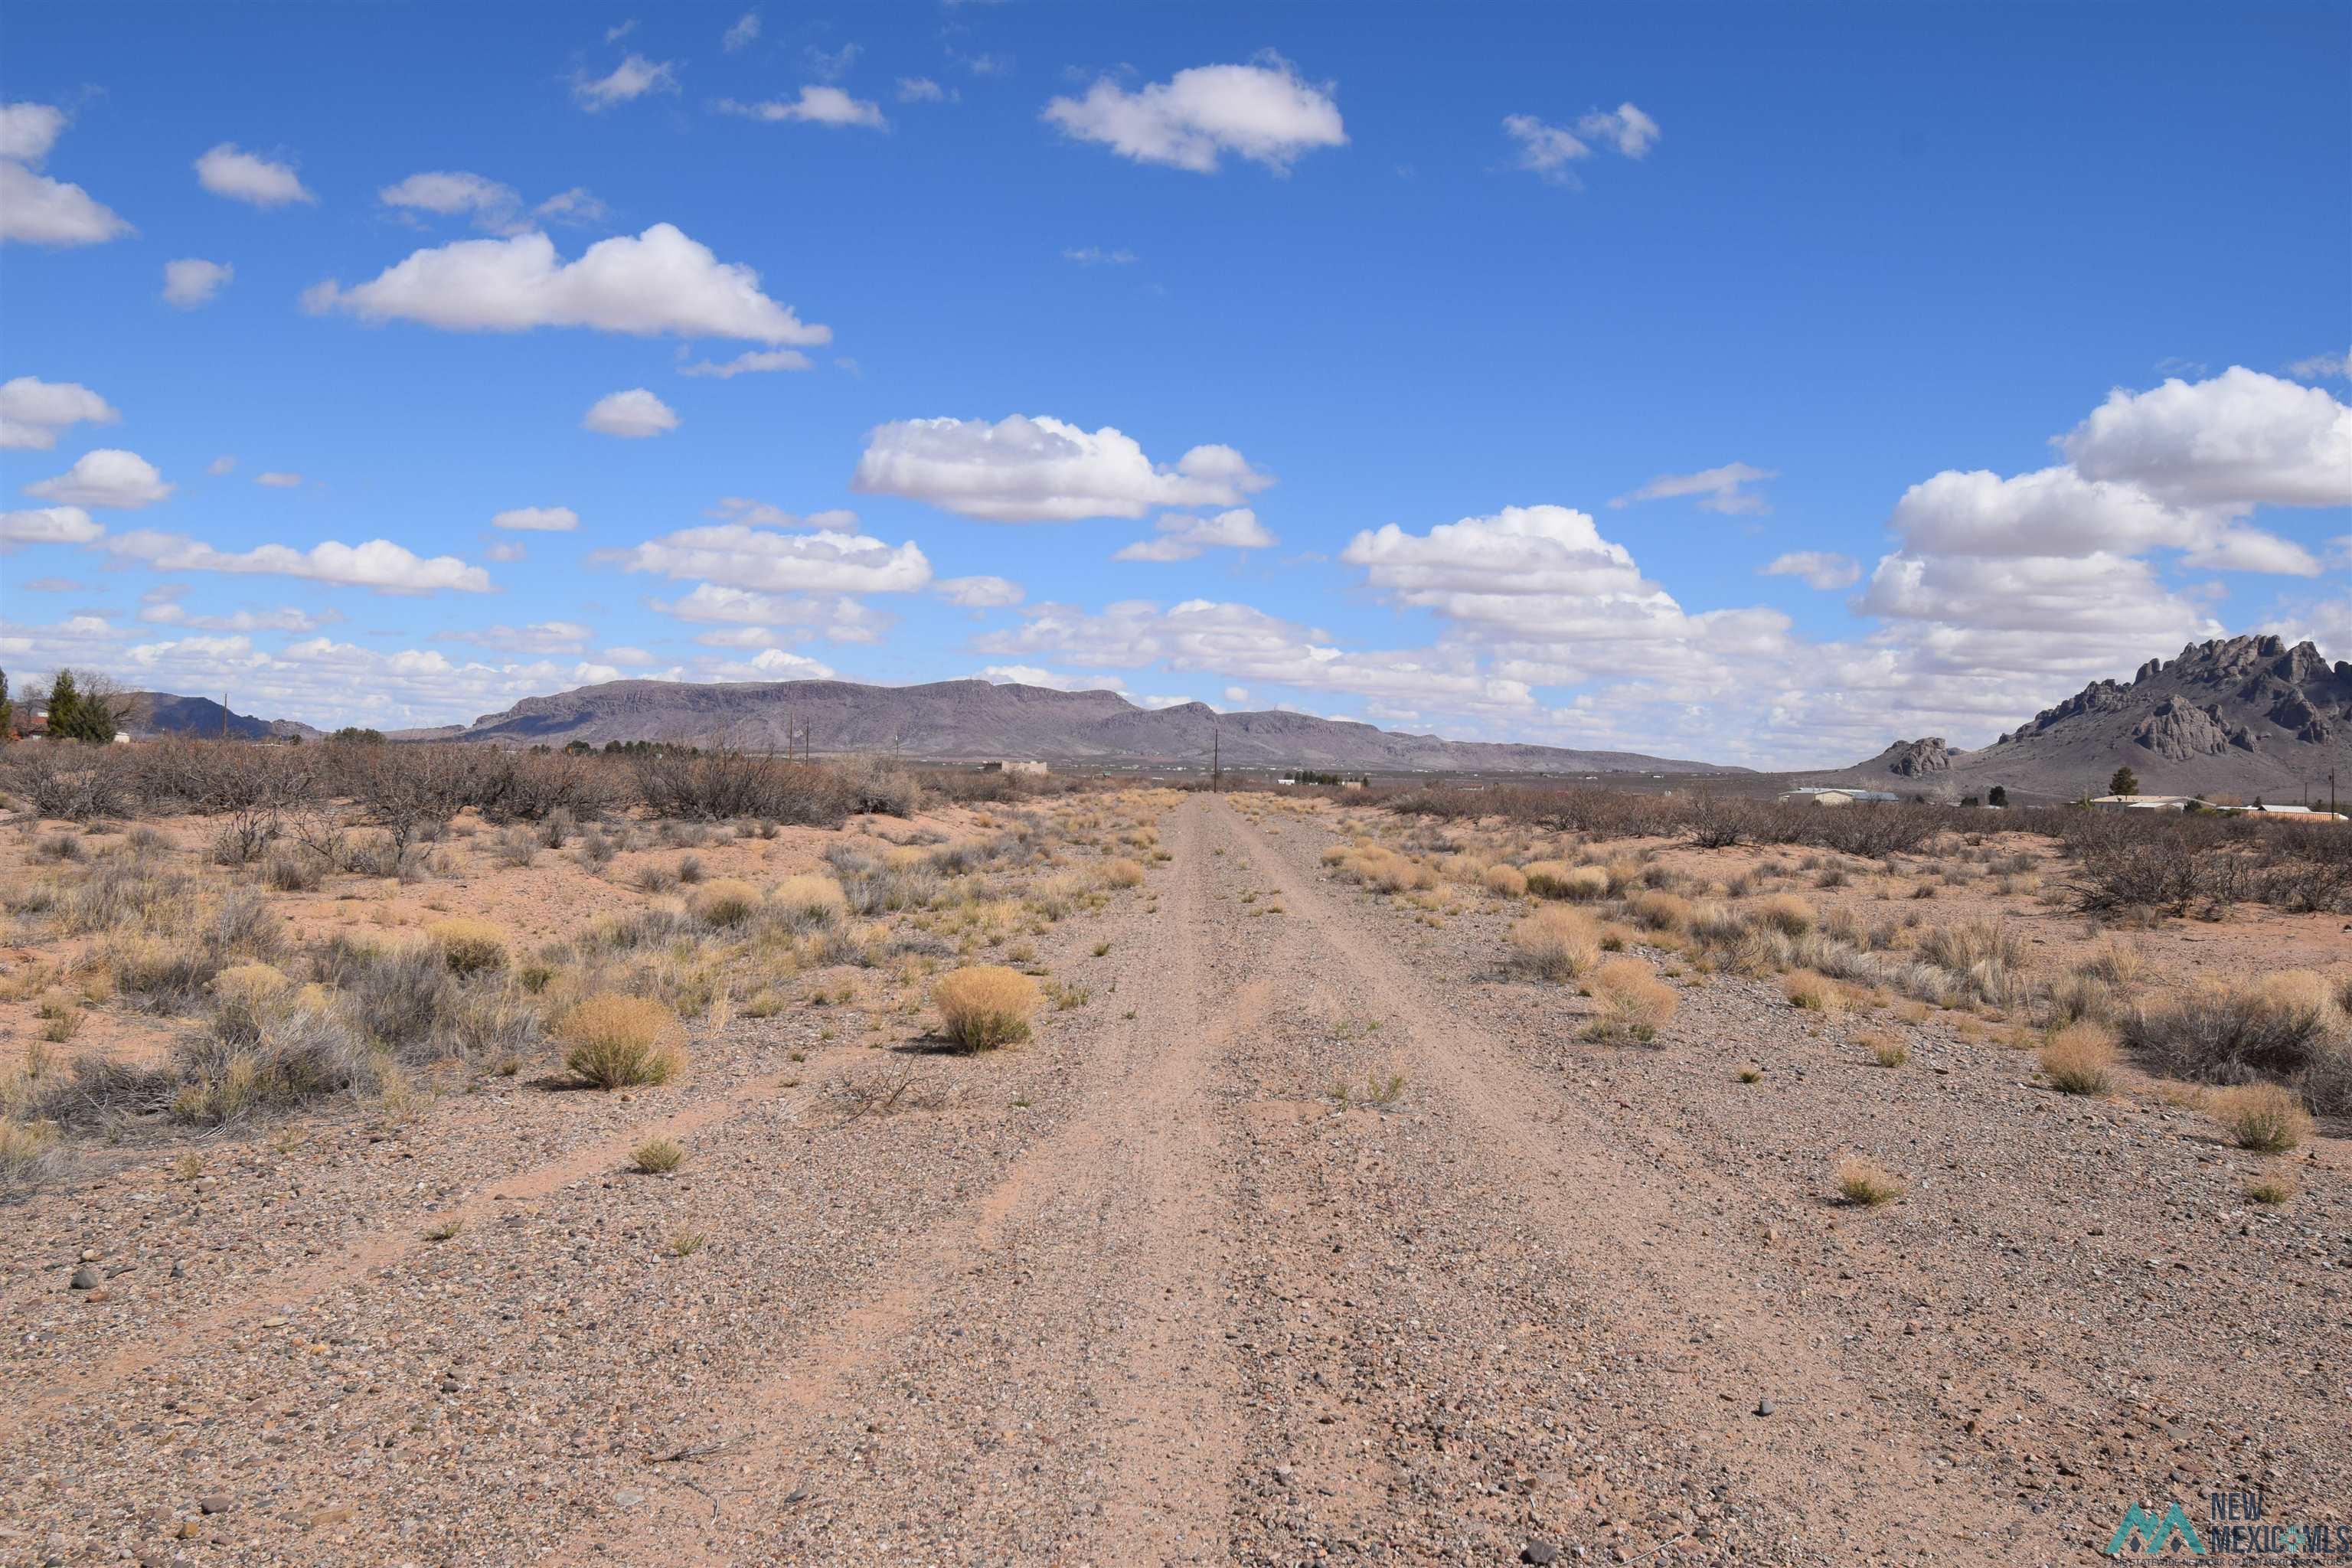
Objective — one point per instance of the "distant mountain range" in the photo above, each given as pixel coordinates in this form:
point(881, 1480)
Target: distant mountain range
point(975, 719)
point(160, 713)
point(2244, 716)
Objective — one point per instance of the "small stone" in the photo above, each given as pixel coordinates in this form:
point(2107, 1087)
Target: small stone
point(216, 1502)
point(1763, 1407)
point(629, 1498)
point(1539, 1552)
point(84, 1278)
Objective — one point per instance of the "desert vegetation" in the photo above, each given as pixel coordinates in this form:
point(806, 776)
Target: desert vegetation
point(206, 937)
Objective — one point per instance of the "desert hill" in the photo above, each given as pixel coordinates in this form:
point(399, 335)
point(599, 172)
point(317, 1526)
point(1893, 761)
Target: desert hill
point(953, 720)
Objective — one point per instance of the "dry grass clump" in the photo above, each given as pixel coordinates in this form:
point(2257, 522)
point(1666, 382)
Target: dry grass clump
point(2271, 1188)
point(728, 901)
point(29, 1152)
point(1555, 944)
point(1655, 910)
point(1382, 867)
point(1813, 993)
point(2261, 1117)
point(1784, 913)
point(657, 1156)
point(1122, 873)
point(1634, 1003)
point(2080, 1058)
point(985, 1006)
point(1558, 879)
point(1885, 1051)
point(810, 900)
point(618, 1042)
point(1505, 881)
point(1867, 1183)
point(2115, 962)
point(468, 946)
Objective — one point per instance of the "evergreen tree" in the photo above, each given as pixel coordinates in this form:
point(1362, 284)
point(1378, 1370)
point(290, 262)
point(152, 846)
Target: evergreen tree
point(2126, 781)
point(76, 714)
point(7, 711)
point(64, 706)
point(2000, 796)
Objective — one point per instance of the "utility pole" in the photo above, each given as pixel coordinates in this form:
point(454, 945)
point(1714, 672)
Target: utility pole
point(1217, 761)
point(224, 715)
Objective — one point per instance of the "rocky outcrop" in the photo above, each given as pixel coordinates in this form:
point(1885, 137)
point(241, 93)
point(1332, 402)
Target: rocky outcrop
point(2248, 715)
point(2179, 729)
point(1914, 759)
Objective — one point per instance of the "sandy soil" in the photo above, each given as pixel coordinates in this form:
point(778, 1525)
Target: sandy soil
point(1154, 1289)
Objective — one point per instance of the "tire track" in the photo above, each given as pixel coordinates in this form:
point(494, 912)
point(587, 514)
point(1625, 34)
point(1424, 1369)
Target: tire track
point(1723, 1348)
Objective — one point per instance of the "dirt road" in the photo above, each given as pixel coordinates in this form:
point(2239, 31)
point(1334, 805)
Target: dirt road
point(1295, 1239)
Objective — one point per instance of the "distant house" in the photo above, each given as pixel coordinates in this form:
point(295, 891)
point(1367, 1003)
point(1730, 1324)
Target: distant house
point(1831, 794)
point(1026, 768)
point(2140, 802)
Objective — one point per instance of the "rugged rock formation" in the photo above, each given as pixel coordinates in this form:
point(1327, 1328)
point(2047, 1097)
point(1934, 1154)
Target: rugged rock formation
point(2242, 716)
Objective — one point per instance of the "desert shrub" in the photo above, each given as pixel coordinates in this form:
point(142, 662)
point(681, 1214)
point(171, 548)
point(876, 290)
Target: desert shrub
point(809, 901)
point(1866, 1184)
point(517, 846)
point(123, 892)
point(1785, 912)
point(1634, 1003)
point(689, 869)
point(985, 1006)
point(490, 1024)
point(2080, 1058)
point(67, 785)
point(2285, 1028)
point(58, 847)
point(1982, 956)
point(468, 946)
point(722, 785)
point(1556, 879)
point(1505, 881)
point(293, 871)
point(2078, 996)
point(1123, 874)
point(268, 1057)
point(1656, 910)
point(398, 998)
point(2261, 1117)
point(879, 787)
point(1557, 944)
point(726, 903)
point(655, 878)
point(596, 850)
point(616, 1042)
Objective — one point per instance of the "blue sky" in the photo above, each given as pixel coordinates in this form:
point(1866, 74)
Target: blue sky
point(1755, 383)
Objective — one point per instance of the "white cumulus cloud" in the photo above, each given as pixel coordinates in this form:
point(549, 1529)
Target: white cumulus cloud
point(657, 282)
point(1183, 537)
point(33, 411)
point(34, 208)
point(228, 171)
point(379, 563)
point(105, 476)
point(46, 525)
point(192, 282)
point(981, 593)
point(1264, 113)
point(1023, 469)
point(2237, 439)
point(632, 415)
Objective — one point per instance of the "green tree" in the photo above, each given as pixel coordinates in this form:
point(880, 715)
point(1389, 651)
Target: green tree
point(81, 708)
point(7, 711)
point(2000, 796)
point(2126, 781)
